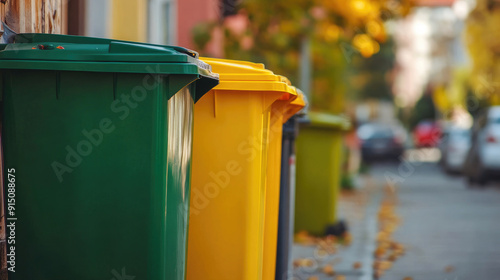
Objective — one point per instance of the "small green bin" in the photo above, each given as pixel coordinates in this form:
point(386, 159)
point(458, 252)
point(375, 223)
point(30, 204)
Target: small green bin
point(97, 135)
point(319, 158)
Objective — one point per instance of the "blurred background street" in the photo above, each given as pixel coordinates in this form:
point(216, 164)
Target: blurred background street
point(449, 230)
point(414, 86)
point(386, 167)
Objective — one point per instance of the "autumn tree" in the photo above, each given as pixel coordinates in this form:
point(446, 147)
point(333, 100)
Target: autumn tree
point(483, 24)
point(274, 32)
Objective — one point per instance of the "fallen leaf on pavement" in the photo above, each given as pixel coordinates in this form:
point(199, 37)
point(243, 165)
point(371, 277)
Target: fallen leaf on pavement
point(304, 238)
point(392, 257)
point(302, 263)
point(328, 270)
point(377, 274)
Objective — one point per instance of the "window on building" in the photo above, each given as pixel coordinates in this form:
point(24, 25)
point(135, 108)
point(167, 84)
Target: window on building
point(162, 22)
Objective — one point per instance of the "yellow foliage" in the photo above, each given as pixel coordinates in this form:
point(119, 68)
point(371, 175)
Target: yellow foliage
point(365, 45)
point(376, 30)
point(484, 50)
point(441, 99)
point(274, 32)
point(362, 17)
point(332, 32)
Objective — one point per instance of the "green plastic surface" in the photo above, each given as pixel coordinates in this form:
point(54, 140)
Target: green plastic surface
point(102, 165)
point(77, 53)
point(319, 157)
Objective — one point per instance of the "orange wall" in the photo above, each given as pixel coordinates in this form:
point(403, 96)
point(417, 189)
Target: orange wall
point(192, 12)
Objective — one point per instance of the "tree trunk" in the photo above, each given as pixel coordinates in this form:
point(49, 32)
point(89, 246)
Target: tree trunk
point(34, 16)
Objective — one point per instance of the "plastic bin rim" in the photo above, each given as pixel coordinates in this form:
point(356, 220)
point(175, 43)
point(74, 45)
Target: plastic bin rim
point(327, 120)
point(116, 67)
point(295, 106)
point(52, 52)
point(238, 75)
point(255, 86)
point(55, 48)
point(41, 40)
point(234, 70)
point(235, 62)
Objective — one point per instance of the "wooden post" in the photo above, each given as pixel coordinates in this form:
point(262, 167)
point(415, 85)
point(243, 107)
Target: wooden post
point(34, 16)
point(3, 241)
point(27, 16)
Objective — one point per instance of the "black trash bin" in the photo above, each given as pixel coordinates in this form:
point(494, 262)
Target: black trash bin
point(287, 190)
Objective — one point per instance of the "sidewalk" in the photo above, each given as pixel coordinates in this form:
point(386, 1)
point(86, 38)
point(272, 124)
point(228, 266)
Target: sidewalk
point(451, 232)
point(430, 226)
point(322, 260)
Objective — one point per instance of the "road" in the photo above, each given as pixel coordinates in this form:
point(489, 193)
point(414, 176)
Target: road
point(450, 231)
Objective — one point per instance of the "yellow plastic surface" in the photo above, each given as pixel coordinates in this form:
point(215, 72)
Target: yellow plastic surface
point(273, 189)
point(234, 196)
point(295, 106)
point(283, 109)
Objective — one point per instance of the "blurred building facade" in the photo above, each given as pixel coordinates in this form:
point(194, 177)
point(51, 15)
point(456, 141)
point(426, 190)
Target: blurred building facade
point(168, 22)
point(429, 47)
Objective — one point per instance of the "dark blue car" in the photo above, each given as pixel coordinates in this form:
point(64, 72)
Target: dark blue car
point(380, 141)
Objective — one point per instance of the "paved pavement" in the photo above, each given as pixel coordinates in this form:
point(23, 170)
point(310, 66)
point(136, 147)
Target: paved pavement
point(450, 232)
point(359, 210)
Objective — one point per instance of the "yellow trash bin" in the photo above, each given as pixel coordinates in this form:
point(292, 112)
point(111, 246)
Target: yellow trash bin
point(231, 189)
point(282, 110)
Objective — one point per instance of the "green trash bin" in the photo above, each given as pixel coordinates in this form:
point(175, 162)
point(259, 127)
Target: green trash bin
point(319, 157)
point(97, 138)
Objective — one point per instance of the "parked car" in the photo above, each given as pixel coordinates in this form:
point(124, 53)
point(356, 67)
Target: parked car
point(426, 134)
point(380, 141)
point(454, 146)
point(483, 158)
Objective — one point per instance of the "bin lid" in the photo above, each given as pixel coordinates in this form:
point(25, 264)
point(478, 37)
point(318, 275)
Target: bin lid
point(78, 53)
point(327, 120)
point(295, 106)
point(248, 76)
point(292, 89)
